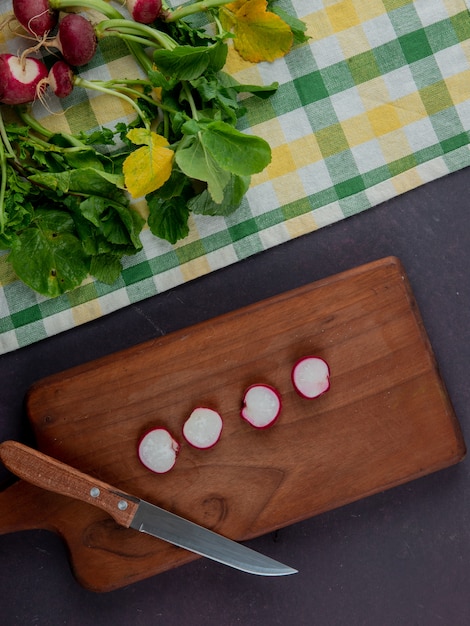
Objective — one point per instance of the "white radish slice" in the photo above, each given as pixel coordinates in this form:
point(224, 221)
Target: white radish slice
point(261, 405)
point(311, 376)
point(203, 428)
point(158, 450)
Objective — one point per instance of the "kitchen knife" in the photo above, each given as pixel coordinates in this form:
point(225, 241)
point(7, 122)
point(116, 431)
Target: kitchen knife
point(131, 512)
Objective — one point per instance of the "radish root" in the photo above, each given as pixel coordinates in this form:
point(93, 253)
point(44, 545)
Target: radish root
point(31, 30)
point(40, 43)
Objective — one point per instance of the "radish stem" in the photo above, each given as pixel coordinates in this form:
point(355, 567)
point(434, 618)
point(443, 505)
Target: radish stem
point(189, 96)
point(103, 88)
point(6, 151)
point(190, 9)
point(33, 123)
point(3, 185)
point(125, 28)
point(5, 142)
point(97, 5)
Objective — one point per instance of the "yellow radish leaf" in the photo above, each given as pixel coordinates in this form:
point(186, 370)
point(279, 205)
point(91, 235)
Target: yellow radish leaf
point(259, 34)
point(147, 168)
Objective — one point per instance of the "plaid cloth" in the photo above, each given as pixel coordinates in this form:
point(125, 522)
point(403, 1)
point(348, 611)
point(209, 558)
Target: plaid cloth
point(375, 104)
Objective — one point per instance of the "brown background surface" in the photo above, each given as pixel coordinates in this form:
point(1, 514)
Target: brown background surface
point(399, 557)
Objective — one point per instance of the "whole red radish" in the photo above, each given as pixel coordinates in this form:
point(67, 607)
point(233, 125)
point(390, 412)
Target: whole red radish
point(61, 79)
point(35, 16)
point(144, 11)
point(21, 79)
point(261, 405)
point(311, 376)
point(203, 428)
point(158, 450)
point(76, 39)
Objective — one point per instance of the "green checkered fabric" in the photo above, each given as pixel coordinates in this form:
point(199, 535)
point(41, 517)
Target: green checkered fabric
point(375, 104)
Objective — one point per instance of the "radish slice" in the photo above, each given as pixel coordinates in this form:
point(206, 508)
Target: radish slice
point(158, 450)
point(203, 428)
point(311, 376)
point(261, 405)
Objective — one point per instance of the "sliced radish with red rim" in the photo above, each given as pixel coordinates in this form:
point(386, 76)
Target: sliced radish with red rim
point(311, 376)
point(158, 450)
point(261, 405)
point(203, 428)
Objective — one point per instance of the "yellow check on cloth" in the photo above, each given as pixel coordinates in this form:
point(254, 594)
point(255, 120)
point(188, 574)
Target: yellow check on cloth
point(376, 103)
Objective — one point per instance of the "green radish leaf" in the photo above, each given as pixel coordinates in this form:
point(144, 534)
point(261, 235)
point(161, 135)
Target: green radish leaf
point(261, 91)
point(218, 56)
point(106, 268)
point(95, 243)
point(297, 27)
point(190, 127)
point(86, 159)
point(223, 100)
point(17, 209)
point(48, 257)
point(197, 162)
point(102, 136)
point(189, 62)
point(118, 224)
point(233, 195)
point(159, 80)
point(234, 151)
point(168, 208)
point(86, 180)
point(168, 219)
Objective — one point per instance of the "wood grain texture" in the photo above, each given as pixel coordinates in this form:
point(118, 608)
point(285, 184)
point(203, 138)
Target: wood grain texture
point(386, 420)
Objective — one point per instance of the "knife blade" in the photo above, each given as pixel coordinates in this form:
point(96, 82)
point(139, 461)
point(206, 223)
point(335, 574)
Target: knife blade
point(129, 511)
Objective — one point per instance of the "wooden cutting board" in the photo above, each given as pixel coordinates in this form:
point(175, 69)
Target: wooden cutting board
point(386, 420)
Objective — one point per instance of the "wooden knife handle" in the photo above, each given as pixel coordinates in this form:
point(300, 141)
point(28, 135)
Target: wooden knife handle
point(48, 473)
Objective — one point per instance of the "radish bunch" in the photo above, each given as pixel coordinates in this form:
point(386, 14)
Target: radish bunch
point(261, 407)
point(75, 38)
point(24, 79)
point(181, 67)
